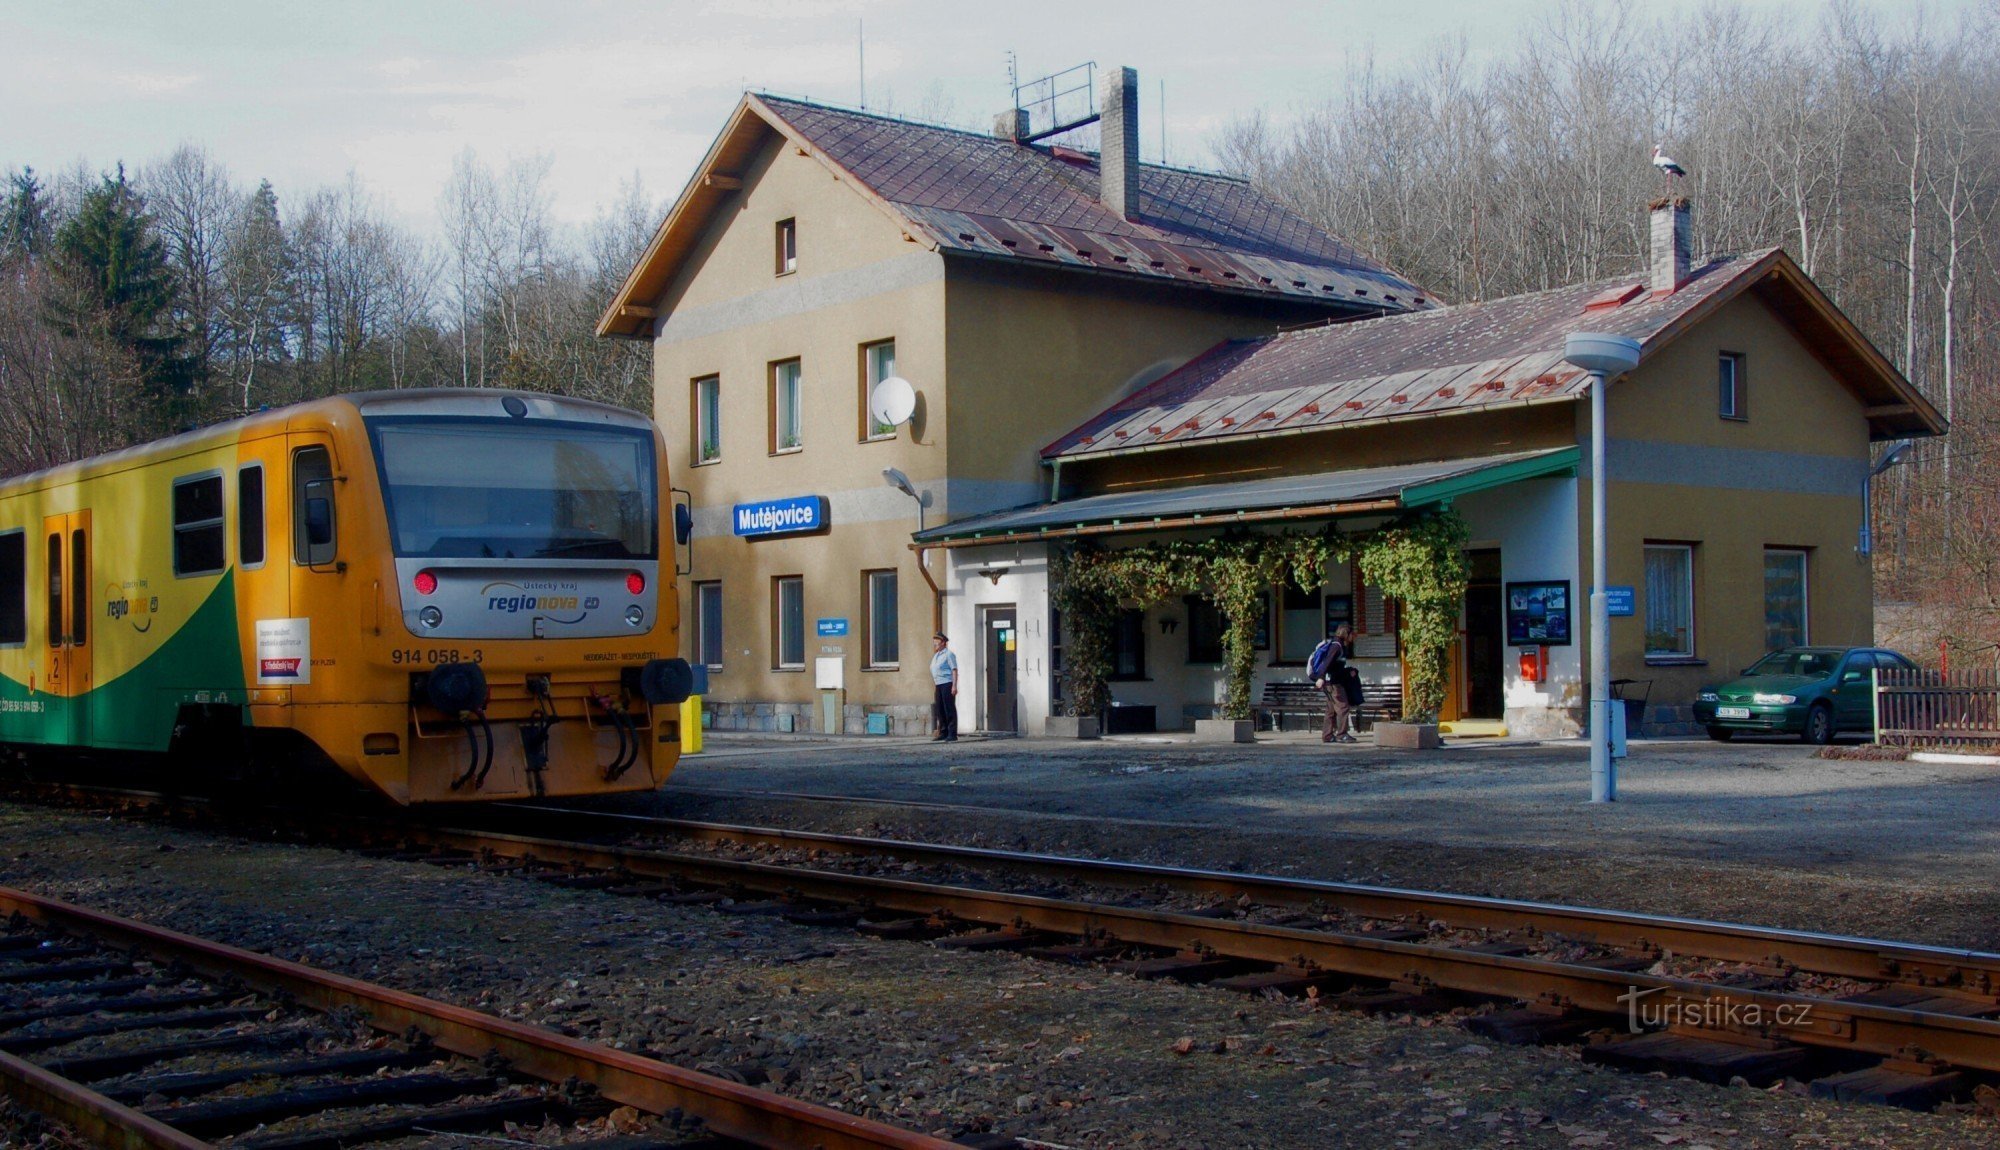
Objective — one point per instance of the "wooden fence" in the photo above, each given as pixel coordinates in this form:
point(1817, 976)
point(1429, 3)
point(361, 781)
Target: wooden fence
point(1938, 708)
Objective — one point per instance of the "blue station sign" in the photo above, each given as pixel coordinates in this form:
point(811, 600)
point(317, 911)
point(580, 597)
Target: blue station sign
point(1619, 601)
point(780, 516)
point(831, 628)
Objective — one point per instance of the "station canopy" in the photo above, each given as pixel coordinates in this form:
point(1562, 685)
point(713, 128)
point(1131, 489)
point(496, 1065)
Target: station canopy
point(1327, 495)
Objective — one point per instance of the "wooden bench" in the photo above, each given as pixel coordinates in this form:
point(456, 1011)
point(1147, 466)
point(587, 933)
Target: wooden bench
point(1379, 702)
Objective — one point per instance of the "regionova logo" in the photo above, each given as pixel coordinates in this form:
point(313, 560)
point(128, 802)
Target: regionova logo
point(129, 601)
point(542, 598)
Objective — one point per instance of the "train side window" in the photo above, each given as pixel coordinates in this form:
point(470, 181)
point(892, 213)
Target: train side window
point(250, 515)
point(200, 546)
point(13, 588)
point(55, 590)
point(79, 587)
point(313, 528)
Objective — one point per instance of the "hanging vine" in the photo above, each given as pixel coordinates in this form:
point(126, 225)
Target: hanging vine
point(1418, 561)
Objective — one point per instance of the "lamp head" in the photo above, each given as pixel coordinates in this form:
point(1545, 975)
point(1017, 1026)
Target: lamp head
point(1601, 353)
point(1892, 457)
point(895, 478)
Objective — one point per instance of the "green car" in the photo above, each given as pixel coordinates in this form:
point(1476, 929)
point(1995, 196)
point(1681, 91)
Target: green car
point(1812, 692)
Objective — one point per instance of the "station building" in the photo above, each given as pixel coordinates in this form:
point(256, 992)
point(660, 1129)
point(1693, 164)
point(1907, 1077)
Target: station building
point(1120, 352)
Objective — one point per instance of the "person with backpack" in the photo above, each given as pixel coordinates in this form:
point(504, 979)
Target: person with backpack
point(1327, 668)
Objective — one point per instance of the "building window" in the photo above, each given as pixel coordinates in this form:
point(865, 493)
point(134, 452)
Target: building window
point(786, 424)
point(1784, 599)
point(13, 588)
point(1377, 619)
point(707, 419)
point(879, 588)
point(788, 247)
point(1128, 645)
point(250, 515)
point(878, 362)
point(1669, 601)
point(1205, 626)
point(788, 623)
point(708, 625)
point(1731, 401)
point(199, 543)
point(79, 587)
point(1300, 624)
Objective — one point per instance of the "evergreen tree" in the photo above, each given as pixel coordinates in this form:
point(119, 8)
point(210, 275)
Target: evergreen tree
point(111, 259)
point(24, 218)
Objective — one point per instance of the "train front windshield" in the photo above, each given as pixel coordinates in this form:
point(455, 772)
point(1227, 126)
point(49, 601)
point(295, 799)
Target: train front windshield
point(517, 489)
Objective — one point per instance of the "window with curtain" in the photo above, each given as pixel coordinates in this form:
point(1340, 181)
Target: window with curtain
point(708, 419)
point(787, 421)
point(1301, 624)
point(878, 362)
point(884, 650)
point(708, 624)
point(1784, 599)
point(1669, 600)
point(788, 623)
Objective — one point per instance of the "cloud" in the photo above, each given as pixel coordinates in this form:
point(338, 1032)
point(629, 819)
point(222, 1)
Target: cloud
point(158, 84)
point(401, 66)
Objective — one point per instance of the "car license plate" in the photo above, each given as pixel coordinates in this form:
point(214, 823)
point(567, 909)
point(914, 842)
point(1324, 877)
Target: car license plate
point(1732, 712)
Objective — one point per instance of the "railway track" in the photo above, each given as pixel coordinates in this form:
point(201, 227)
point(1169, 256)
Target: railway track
point(1862, 1019)
point(135, 1036)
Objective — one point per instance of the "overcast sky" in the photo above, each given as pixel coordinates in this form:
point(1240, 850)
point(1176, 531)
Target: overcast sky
point(301, 93)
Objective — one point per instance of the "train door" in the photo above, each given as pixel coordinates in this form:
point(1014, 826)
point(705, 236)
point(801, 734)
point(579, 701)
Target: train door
point(67, 549)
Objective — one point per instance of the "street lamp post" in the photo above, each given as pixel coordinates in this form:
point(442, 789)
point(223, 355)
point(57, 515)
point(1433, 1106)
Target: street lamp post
point(1603, 356)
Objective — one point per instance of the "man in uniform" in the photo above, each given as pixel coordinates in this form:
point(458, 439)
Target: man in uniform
point(944, 681)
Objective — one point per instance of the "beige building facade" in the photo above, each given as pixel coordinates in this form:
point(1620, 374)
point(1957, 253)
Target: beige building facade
point(779, 293)
point(1076, 370)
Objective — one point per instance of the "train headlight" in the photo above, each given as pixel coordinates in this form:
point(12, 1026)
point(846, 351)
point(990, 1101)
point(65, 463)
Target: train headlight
point(430, 616)
point(635, 615)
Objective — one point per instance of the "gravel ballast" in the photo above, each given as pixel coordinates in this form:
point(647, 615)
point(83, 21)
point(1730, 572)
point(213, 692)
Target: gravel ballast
point(934, 1039)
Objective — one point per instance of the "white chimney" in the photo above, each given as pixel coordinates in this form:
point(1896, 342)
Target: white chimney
point(1011, 125)
point(1118, 162)
point(1673, 244)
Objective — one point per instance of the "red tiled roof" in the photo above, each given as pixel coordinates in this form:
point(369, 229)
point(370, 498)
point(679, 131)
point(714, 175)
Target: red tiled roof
point(1497, 353)
point(969, 195)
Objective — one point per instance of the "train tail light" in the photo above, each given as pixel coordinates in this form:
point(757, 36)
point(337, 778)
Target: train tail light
point(425, 582)
point(635, 583)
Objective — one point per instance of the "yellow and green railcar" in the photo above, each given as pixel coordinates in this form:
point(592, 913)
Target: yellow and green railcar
point(450, 595)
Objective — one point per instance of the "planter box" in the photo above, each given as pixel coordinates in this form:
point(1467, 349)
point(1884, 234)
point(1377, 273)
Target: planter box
point(1070, 726)
point(1408, 736)
point(1224, 731)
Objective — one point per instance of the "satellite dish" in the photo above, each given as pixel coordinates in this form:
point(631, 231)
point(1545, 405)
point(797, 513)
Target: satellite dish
point(892, 401)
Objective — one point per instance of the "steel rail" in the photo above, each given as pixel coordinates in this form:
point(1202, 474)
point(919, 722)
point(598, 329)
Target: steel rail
point(730, 1109)
point(1975, 972)
point(97, 1118)
point(1962, 1041)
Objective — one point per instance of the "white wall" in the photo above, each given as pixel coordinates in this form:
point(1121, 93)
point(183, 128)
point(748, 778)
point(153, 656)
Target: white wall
point(1534, 525)
point(1023, 582)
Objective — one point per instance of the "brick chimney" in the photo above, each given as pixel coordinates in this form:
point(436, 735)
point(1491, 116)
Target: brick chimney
point(1118, 162)
point(1673, 243)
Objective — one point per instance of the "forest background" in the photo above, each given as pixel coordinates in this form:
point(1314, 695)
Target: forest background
point(136, 301)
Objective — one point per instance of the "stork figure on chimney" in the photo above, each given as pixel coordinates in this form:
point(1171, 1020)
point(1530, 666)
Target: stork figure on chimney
point(1670, 169)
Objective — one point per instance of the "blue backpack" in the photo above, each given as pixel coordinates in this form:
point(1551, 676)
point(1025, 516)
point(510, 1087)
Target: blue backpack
point(1316, 663)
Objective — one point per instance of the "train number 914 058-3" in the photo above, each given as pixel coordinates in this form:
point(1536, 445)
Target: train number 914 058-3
point(436, 656)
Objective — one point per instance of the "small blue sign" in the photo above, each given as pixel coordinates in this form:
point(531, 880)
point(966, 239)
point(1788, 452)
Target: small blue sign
point(780, 516)
point(832, 628)
point(1619, 601)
